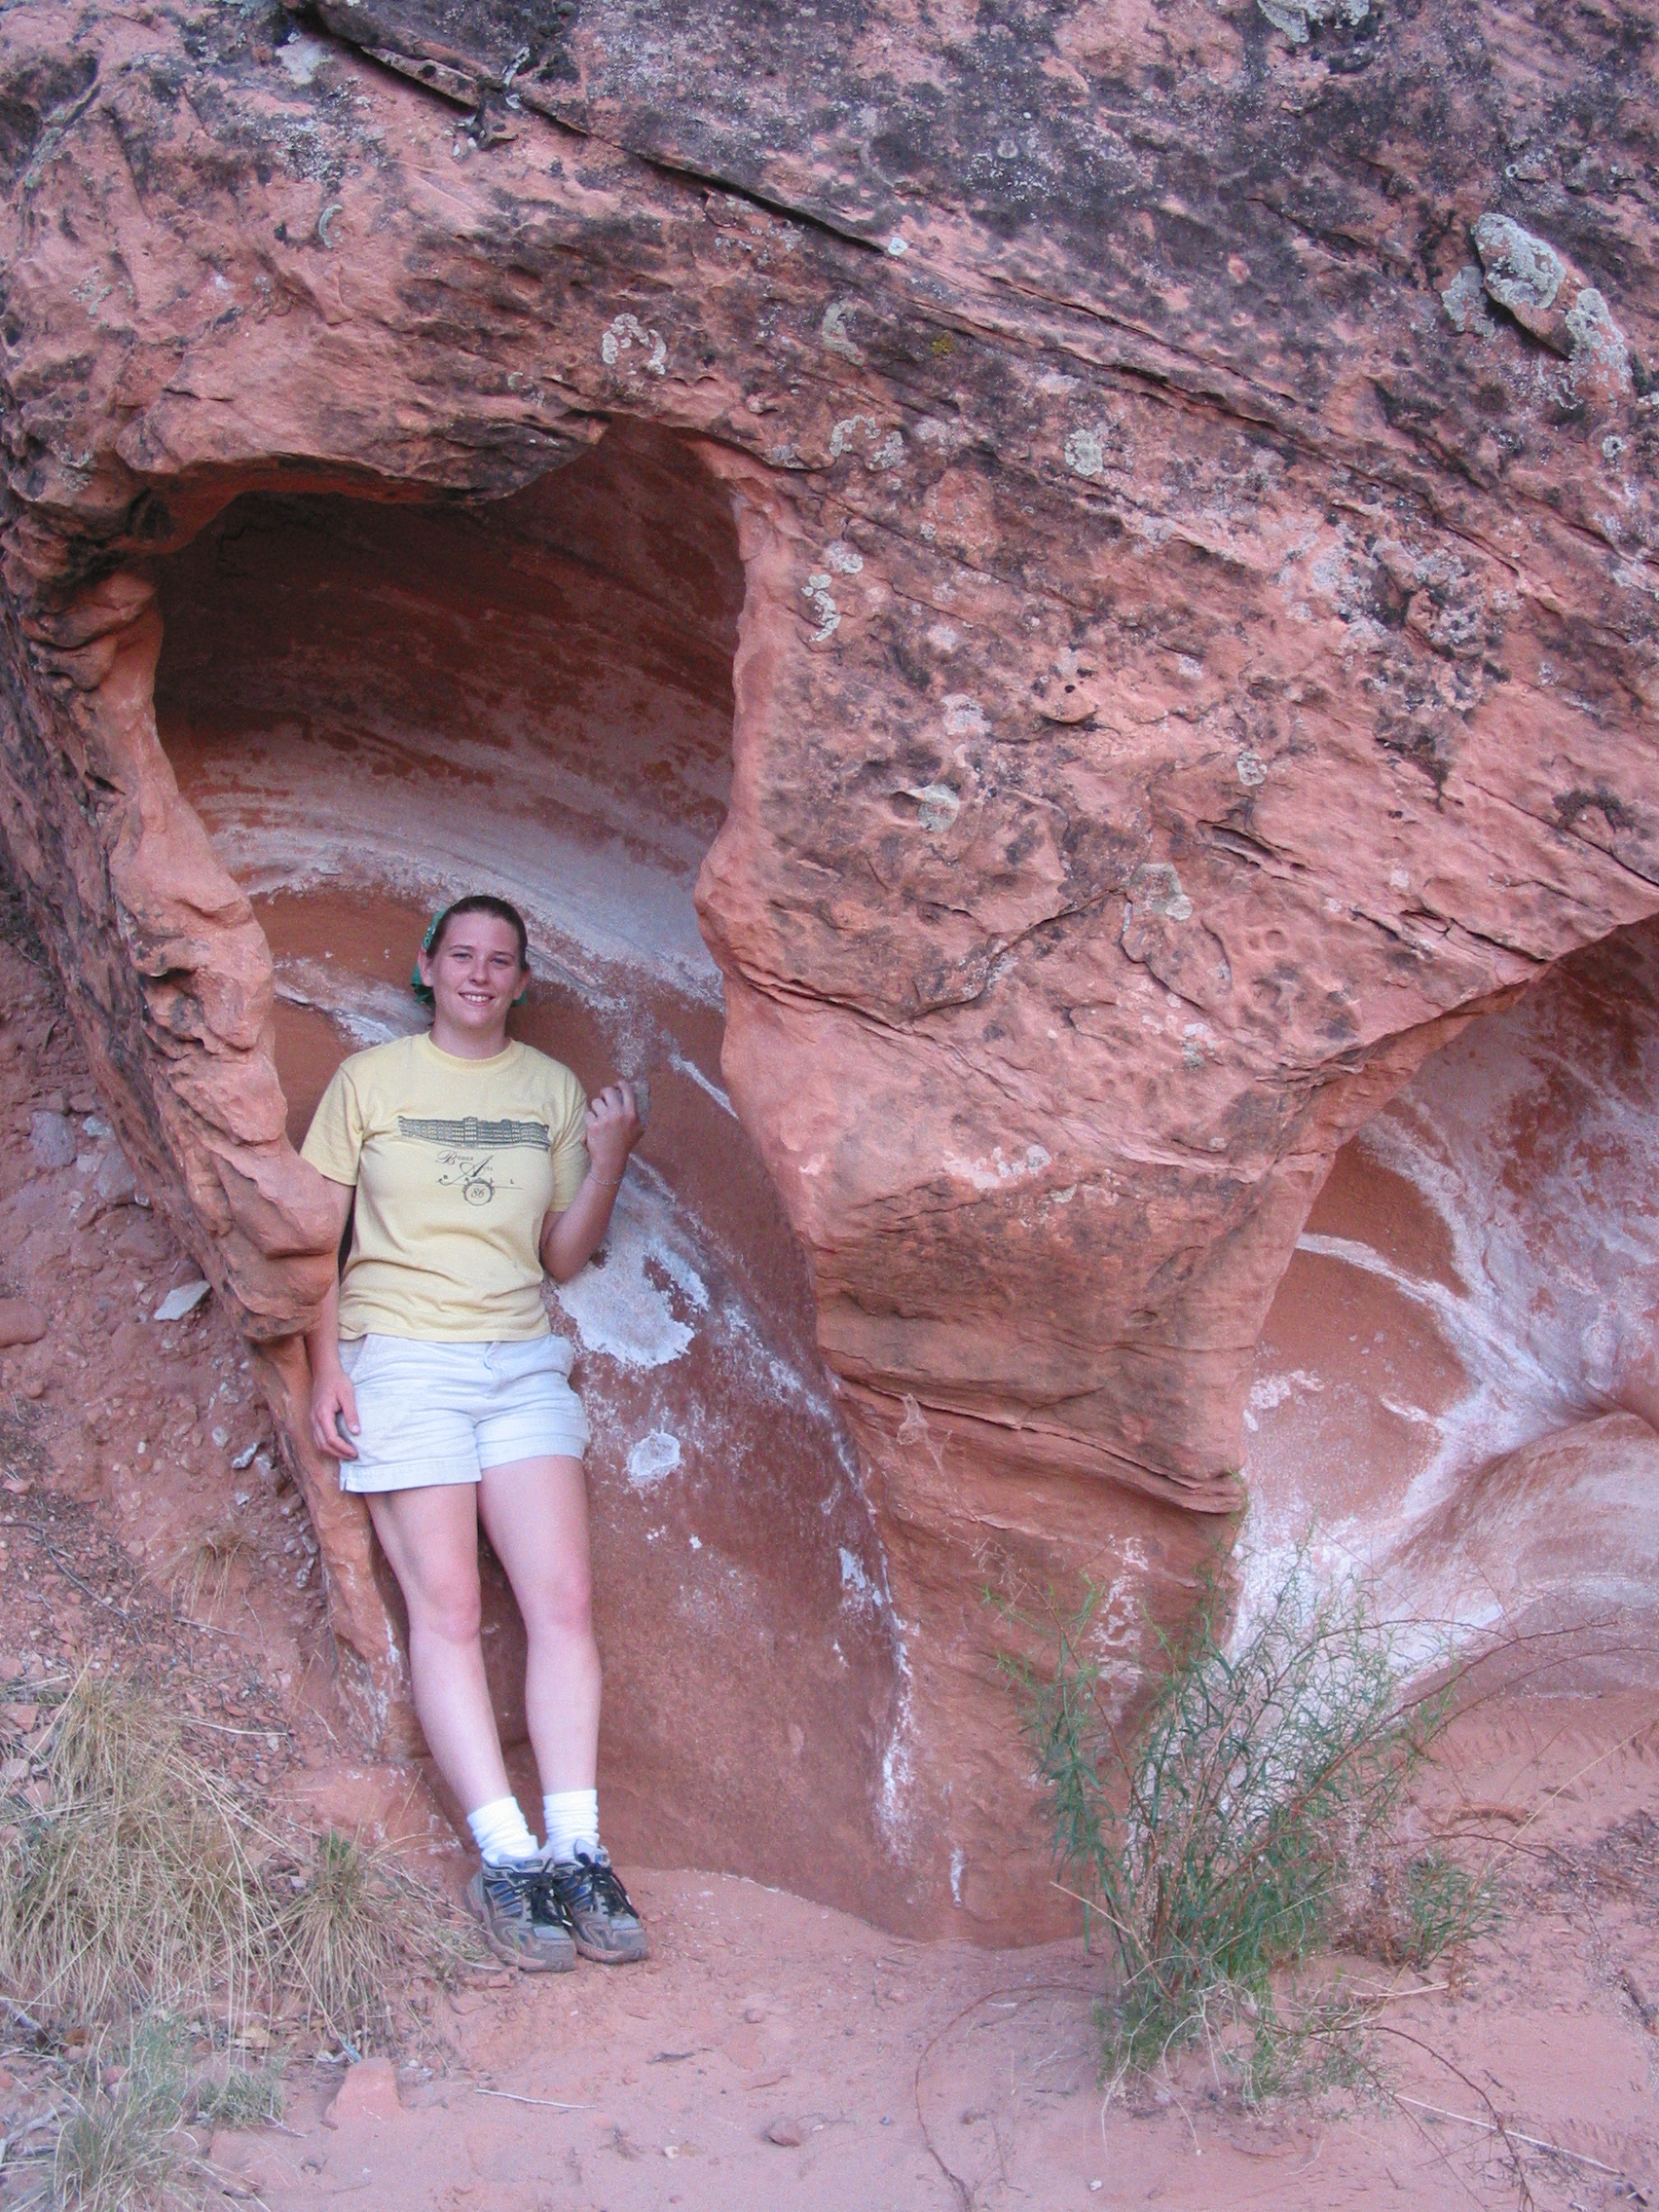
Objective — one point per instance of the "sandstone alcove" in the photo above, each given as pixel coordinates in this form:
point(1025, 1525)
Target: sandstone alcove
point(375, 705)
point(1455, 1381)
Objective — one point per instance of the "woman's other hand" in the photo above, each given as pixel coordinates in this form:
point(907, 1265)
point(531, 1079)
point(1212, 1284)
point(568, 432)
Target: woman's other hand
point(613, 1129)
point(334, 1413)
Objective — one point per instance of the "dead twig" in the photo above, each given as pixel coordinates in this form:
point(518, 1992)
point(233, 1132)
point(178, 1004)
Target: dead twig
point(1509, 2134)
point(1612, 1750)
point(1498, 2126)
point(547, 2104)
point(68, 1572)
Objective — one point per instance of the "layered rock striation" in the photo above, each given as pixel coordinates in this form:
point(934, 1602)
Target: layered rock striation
point(1115, 545)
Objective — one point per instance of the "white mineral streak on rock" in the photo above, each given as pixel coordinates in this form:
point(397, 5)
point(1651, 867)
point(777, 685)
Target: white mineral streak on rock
point(773, 1377)
point(652, 1459)
point(898, 1763)
point(856, 1582)
point(1270, 1391)
point(998, 1171)
point(689, 1069)
point(370, 1014)
point(626, 1309)
point(1542, 1284)
point(603, 886)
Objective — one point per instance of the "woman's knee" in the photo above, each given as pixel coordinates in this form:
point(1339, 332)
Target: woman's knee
point(448, 1606)
point(561, 1601)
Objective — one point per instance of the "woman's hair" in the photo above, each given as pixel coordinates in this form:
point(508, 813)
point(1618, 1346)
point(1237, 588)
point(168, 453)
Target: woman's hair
point(475, 903)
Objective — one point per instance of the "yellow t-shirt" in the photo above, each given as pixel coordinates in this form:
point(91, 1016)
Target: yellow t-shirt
point(458, 1165)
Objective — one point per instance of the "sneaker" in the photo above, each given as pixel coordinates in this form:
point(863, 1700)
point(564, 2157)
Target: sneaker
point(601, 1914)
point(523, 1919)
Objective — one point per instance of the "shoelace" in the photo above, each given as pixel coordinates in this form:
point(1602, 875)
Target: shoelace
point(528, 1890)
point(599, 1885)
point(547, 1905)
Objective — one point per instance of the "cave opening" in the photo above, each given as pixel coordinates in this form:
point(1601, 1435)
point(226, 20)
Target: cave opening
point(1456, 1386)
point(377, 705)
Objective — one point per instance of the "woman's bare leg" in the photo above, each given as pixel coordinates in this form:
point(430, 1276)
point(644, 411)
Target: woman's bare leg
point(431, 1536)
point(535, 1512)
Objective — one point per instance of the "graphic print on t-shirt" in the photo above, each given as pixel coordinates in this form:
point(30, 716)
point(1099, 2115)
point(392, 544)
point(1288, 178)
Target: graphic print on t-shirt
point(470, 1147)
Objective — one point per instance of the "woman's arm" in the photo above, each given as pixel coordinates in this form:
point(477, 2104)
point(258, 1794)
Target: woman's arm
point(333, 1399)
point(570, 1239)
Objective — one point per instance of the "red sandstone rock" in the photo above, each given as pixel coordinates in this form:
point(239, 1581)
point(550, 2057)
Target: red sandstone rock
point(1189, 653)
point(368, 2092)
point(1459, 1371)
point(21, 1322)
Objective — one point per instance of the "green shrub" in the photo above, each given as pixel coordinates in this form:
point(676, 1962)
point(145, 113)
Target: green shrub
point(1239, 1826)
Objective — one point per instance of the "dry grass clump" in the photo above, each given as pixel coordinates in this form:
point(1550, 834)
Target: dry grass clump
point(131, 1883)
point(137, 1894)
point(351, 1931)
point(1251, 1821)
point(202, 1571)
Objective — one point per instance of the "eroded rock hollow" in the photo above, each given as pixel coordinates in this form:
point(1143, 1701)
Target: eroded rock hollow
point(1050, 613)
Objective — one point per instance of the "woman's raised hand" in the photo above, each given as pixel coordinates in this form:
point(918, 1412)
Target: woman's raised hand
point(334, 1413)
point(613, 1129)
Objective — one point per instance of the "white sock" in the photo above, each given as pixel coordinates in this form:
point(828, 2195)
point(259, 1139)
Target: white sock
point(573, 1820)
point(500, 1831)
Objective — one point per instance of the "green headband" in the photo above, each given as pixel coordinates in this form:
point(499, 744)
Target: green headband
point(424, 991)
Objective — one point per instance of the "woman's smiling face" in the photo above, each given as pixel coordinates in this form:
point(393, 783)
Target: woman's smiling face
point(474, 973)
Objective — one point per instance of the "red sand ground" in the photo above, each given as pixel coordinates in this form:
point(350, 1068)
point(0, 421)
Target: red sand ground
point(773, 2052)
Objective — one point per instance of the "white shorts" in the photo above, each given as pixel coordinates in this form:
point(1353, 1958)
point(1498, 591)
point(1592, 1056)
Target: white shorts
point(442, 1412)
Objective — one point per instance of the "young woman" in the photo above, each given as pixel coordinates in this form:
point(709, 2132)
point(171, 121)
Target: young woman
point(471, 1166)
